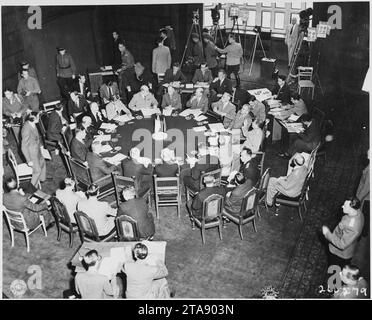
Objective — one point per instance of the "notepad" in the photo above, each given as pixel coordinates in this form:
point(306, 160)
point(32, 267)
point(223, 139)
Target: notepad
point(200, 129)
point(201, 118)
point(116, 159)
point(277, 109)
point(108, 126)
point(102, 137)
point(293, 117)
point(147, 113)
point(167, 112)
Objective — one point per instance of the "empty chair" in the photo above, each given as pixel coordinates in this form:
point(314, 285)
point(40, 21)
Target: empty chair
point(22, 171)
point(16, 222)
point(62, 219)
point(167, 193)
point(81, 173)
point(247, 213)
point(127, 228)
point(305, 79)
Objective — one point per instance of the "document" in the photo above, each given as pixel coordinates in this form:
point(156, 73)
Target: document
point(123, 118)
point(201, 118)
point(293, 117)
point(108, 126)
point(147, 113)
point(116, 159)
point(217, 127)
point(102, 137)
point(194, 112)
point(168, 111)
point(45, 153)
point(200, 129)
point(261, 94)
point(105, 148)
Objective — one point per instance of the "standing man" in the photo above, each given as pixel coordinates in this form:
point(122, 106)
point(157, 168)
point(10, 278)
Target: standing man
point(344, 238)
point(127, 62)
point(116, 55)
point(24, 65)
point(29, 88)
point(234, 53)
point(210, 54)
point(82, 88)
point(161, 58)
point(291, 36)
point(31, 148)
point(66, 71)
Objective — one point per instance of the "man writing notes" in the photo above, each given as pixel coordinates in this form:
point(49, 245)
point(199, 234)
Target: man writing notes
point(291, 36)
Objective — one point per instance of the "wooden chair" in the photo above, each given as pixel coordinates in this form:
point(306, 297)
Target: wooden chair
point(88, 229)
point(262, 160)
point(167, 193)
point(261, 191)
point(62, 219)
point(65, 155)
point(191, 192)
point(17, 222)
point(106, 186)
point(298, 202)
point(211, 215)
point(81, 173)
point(305, 79)
point(247, 213)
point(44, 119)
point(22, 171)
point(49, 107)
point(127, 228)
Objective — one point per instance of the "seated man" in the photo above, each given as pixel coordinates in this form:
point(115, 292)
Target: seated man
point(198, 101)
point(203, 163)
point(69, 198)
point(96, 115)
point(138, 209)
point(86, 123)
point(171, 99)
point(240, 118)
point(290, 185)
point(16, 200)
point(353, 285)
point(168, 168)
point(77, 106)
point(258, 109)
point(91, 284)
point(225, 109)
point(196, 206)
point(234, 198)
point(98, 167)
point(248, 166)
point(281, 91)
point(202, 75)
point(134, 166)
point(82, 88)
point(240, 96)
point(143, 100)
point(14, 105)
point(298, 107)
point(79, 149)
point(253, 137)
point(100, 211)
point(56, 124)
point(219, 86)
point(174, 74)
point(145, 277)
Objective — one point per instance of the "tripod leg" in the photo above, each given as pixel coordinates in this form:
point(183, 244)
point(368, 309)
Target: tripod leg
point(186, 46)
point(254, 53)
point(262, 47)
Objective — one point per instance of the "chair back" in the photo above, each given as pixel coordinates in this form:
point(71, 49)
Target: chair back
point(262, 160)
point(15, 220)
point(212, 207)
point(13, 163)
point(106, 186)
point(249, 203)
point(127, 228)
point(66, 138)
point(305, 73)
point(87, 227)
point(43, 123)
point(264, 181)
point(60, 212)
point(120, 183)
point(167, 190)
point(48, 107)
point(80, 172)
point(65, 154)
point(215, 173)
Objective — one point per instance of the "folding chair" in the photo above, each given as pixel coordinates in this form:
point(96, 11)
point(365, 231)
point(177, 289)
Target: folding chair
point(305, 79)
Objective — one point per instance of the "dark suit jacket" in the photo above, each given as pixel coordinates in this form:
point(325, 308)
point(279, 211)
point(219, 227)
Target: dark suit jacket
point(284, 95)
point(251, 171)
point(197, 203)
point(241, 97)
point(312, 133)
point(96, 123)
point(199, 77)
point(235, 200)
point(143, 175)
point(202, 105)
point(221, 88)
point(130, 79)
point(73, 108)
point(105, 93)
point(139, 211)
point(169, 77)
point(54, 127)
point(86, 90)
point(98, 167)
point(166, 170)
point(78, 150)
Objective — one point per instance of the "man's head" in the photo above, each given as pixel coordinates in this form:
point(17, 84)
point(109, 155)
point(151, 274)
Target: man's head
point(134, 153)
point(294, 20)
point(61, 50)
point(129, 193)
point(115, 35)
point(69, 183)
point(81, 78)
point(232, 38)
point(295, 97)
point(203, 66)
point(24, 65)
point(199, 92)
point(91, 258)
point(80, 133)
point(86, 121)
point(246, 155)
point(245, 109)
point(93, 190)
point(145, 90)
point(349, 274)
point(299, 160)
point(226, 97)
point(59, 107)
point(351, 206)
point(121, 46)
point(281, 80)
point(221, 74)
point(207, 37)
point(176, 67)
point(306, 119)
point(140, 251)
point(94, 107)
point(167, 155)
point(163, 33)
point(33, 117)
point(24, 74)
point(8, 93)
point(209, 181)
point(10, 184)
point(159, 41)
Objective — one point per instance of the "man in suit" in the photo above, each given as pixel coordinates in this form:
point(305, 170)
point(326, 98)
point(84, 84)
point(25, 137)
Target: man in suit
point(171, 99)
point(249, 167)
point(204, 163)
point(16, 200)
point(196, 206)
point(66, 71)
point(143, 100)
point(135, 167)
point(174, 74)
point(138, 209)
point(291, 36)
point(82, 88)
point(56, 124)
point(109, 91)
point(234, 198)
point(29, 89)
point(127, 62)
point(258, 110)
point(31, 148)
point(290, 185)
point(198, 101)
point(161, 58)
point(86, 123)
point(100, 211)
point(98, 167)
point(219, 86)
point(96, 115)
point(168, 168)
point(203, 74)
point(343, 240)
point(116, 56)
point(309, 139)
point(225, 109)
point(77, 105)
point(281, 91)
point(79, 149)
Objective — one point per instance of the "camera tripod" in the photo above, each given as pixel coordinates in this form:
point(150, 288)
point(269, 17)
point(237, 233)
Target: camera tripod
point(195, 28)
point(216, 34)
point(253, 52)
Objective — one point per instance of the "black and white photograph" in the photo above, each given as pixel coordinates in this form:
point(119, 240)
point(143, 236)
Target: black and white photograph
point(185, 151)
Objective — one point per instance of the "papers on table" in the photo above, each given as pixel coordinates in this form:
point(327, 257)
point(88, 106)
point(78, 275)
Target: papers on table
point(261, 94)
point(123, 118)
point(168, 111)
point(200, 118)
point(200, 129)
point(102, 137)
point(116, 159)
point(277, 109)
point(109, 267)
point(293, 117)
point(108, 126)
point(201, 85)
point(105, 148)
point(216, 127)
point(194, 112)
point(72, 126)
point(147, 113)
point(294, 127)
point(273, 103)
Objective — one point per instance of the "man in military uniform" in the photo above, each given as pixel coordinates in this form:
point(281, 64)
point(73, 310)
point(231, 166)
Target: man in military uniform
point(344, 238)
point(127, 62)
point(66, 71)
